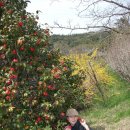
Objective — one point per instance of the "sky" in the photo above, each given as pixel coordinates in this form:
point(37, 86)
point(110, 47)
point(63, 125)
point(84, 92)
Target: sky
point(61, 11)
point(65, 13)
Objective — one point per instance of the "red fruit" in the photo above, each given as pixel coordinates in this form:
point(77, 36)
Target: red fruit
point(14, 52)
point(20, 24)
point(7, 97)
point(15, 60)
point(32, 49)
point(13, 76)
point(21, 48)
point(50, 87)
point(45, 94)
point(9, 82)
point(1, 4)
point(7, 92)
point(12, 69)
point(38, 119)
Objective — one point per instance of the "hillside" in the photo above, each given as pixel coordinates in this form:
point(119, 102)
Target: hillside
point(80, 42)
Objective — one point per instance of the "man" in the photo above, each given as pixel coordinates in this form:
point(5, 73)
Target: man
point(75, 122)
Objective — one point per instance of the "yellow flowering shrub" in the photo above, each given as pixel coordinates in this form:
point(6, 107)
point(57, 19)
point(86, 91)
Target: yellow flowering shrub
point(97, 76)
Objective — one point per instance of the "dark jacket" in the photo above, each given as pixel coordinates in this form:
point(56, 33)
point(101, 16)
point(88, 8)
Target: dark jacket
point(78, 126)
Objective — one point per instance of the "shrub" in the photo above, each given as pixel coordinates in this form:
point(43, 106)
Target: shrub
point(97, 76)
point(36, 86)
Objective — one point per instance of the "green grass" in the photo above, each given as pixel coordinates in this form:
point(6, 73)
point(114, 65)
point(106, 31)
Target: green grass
point(116, 107)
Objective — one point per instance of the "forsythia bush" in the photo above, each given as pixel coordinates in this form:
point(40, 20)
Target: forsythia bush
point(36, 86)
point(96, 73)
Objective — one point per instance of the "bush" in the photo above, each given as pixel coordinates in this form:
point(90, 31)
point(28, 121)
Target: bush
point(36, 85)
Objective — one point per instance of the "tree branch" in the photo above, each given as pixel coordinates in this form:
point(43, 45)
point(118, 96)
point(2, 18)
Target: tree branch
point(118, 4)
point(84, 28)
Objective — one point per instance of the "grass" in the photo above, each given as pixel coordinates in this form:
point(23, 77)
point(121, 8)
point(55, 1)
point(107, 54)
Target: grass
point(115, 109)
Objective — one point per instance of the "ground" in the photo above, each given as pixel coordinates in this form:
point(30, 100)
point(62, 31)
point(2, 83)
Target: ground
point(123, 124)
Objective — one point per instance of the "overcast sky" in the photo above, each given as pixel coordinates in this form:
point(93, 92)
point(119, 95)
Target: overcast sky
point(61, 11)
point(64, 12)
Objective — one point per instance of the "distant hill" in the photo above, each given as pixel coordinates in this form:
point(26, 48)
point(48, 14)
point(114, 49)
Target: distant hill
point(86, 40)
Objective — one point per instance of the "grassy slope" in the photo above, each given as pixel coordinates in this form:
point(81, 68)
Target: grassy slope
point(115, 114)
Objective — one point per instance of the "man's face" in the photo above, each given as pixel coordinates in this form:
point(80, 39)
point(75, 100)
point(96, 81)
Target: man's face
point(72, 119)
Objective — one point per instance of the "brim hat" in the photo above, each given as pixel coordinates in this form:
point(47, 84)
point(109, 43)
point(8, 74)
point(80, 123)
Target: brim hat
point(72, 112)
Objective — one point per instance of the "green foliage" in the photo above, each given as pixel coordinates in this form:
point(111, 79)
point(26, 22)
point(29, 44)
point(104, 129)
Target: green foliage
point(119, 92)
point(90, 40)
point(36, 86)
point(116, 107)
point(97, 77)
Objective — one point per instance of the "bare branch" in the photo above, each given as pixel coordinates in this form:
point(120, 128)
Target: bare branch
point(118, 4)
point(83, 28)
point(88, 6)
point(105, 17)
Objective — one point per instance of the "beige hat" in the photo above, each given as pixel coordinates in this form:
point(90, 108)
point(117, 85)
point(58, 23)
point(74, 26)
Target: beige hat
point(72, 112)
